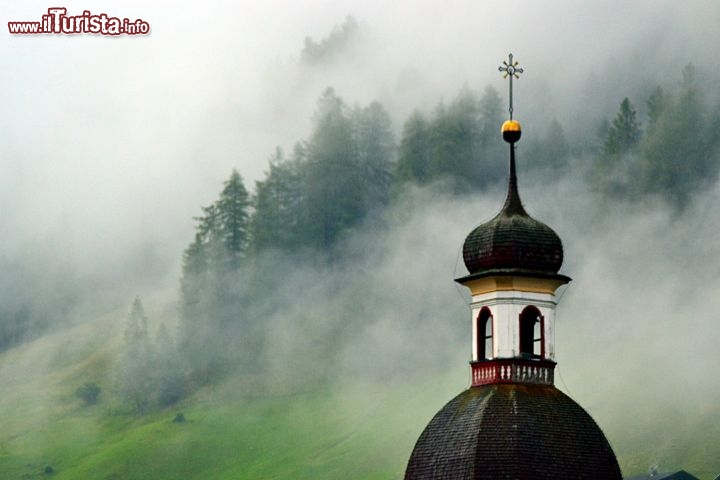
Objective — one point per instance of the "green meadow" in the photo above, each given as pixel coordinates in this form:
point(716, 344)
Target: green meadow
point(237, 429)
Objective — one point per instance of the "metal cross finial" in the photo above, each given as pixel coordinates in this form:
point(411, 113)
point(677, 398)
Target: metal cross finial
point(511, 70)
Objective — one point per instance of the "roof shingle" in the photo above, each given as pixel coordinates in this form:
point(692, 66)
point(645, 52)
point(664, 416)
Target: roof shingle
point(513, 432)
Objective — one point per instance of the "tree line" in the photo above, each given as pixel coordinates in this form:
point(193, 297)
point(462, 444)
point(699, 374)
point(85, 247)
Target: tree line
point(672, 156)
point(351, 168)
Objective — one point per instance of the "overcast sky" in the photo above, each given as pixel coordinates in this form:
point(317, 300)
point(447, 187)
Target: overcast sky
point(109, 146)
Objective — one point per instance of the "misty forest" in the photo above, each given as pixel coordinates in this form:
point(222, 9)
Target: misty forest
point(259, 281)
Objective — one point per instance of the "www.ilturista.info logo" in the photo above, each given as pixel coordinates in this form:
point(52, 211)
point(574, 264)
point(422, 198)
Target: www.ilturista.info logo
point(58, 22)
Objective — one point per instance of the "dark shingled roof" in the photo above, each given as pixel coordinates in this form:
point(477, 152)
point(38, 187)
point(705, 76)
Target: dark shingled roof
point(513, 432)
point(513, 242)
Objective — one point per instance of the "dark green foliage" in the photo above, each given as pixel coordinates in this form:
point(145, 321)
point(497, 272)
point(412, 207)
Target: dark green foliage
point(221, 239)
point(150, 372)
point(616, 168)
point(624, 133)
point(655, 106)
point(232, 219)
point(212, 285)
point(331, 202)
point(446, 142)
point(492, 149)
point(277, 204)
point(461, 143)
point(414, 155)
point(617, 162)
point(674, 159)
point(547, 156)
point(332, 182)
point(491, 116)
point(455, 133)
point(677, 152)
point(342, 174)
point(88, 393)
point(169, 379)
point(374, 154)
point(221, 232)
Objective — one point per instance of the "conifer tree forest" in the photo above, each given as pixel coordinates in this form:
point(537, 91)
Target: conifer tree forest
point(663, 147)
point(229, 246)
point(352, 167)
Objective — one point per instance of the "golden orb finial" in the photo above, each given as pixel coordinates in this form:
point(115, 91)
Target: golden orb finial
point(511, 131)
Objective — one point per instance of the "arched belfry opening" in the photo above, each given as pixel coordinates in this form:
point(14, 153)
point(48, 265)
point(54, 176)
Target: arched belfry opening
point(485, 334)
point(531, 333)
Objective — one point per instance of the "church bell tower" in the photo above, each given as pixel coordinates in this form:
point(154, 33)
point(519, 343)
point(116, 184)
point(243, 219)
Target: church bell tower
point(512, 423)
point(513, 262)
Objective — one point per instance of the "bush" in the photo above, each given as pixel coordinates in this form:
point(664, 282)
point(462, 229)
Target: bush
point(89, 393)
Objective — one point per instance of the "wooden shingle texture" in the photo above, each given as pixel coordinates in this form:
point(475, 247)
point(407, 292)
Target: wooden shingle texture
point(513, 432)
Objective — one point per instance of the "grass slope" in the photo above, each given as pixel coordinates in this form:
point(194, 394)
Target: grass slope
point(230, 431)
point(361, 431)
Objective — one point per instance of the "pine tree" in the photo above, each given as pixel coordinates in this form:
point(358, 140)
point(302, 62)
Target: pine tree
point(414, 155)
point(656, 104)
point(491, 150)
point(677, 160)
point(332, 202)
point(454, 138)
point(211, 279)
point(231, 220)
point(136, 372)
point(277, 205)
point(491, 115)
point(553, 151)
point(464, 142)
point(615, 170)
point(624, 133)
point(136, 328)
point(374, 155)
point(169, 381)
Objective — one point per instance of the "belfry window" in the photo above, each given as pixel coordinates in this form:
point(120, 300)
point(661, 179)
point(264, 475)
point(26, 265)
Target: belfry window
point(531, 333)
point(485, 334)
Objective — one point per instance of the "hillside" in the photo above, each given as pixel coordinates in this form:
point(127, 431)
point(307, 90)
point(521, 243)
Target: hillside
point(237, 430)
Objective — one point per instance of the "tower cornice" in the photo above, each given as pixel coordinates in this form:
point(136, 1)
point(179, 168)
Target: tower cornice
point(491, 281)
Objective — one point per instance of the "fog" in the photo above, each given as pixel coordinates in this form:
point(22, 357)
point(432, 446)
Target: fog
point(110, 146)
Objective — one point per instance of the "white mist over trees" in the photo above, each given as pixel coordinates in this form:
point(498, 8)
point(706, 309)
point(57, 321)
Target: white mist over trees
point(675, 158)
point(338, 256)
point(344, 181)
point(460, 143)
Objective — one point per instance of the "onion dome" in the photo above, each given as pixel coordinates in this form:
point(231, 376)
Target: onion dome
point(511, 431)
point(513, 242)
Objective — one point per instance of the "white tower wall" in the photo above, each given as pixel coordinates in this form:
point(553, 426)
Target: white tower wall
point(506, 307)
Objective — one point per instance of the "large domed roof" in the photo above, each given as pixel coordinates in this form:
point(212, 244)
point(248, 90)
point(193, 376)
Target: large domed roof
point(512, 431)
point(513, 242)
